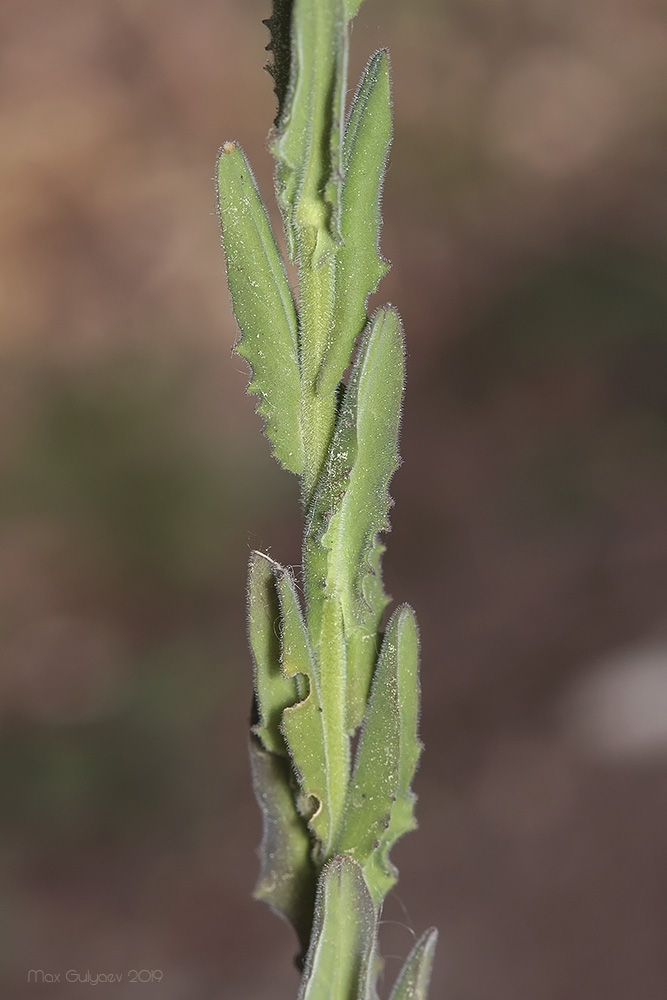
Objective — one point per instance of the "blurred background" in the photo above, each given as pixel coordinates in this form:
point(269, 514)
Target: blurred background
point(526, 216)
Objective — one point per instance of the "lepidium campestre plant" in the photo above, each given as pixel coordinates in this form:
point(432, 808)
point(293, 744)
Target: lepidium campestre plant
point(328, 674)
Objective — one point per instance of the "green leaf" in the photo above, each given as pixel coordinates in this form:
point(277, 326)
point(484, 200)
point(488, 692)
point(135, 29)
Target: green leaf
point(308, 142)
point(287, 876)
point(359, 264)
point(380, 804)
point(342, 551)
point(263, 306)
point(274, 691)
point(351, 8)
point(344, 933)
point(314, 729)
point(415, 976)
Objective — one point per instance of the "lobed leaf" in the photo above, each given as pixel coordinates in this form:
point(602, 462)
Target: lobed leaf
point(344, 933)
point(359, 265)
point(287, 877)
point(380, 804)
point(308, 141)
point(312, 728)
point(263, 306)
point(342, 551)
point(274, 691)
point(415, 976)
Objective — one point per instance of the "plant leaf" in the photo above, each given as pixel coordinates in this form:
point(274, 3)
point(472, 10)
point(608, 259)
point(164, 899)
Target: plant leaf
point(344, 935)
point(380, 804)
point(287, 877)
point(351, 8)
point(415, 976)
point(314, 729)
point(350, 507)
point(274, 691)
point(308, 141)
point(359, 264)
point(263, 306)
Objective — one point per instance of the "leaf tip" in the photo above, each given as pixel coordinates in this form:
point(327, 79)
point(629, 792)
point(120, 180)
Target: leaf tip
point(414, 979)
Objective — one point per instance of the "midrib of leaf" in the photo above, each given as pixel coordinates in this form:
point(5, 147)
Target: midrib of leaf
point(288, 304)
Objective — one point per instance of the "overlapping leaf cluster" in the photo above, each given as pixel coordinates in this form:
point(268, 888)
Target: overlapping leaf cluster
point(323, 667)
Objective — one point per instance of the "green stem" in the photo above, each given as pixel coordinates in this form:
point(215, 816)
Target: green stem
point(318, 412)
point(318, 416)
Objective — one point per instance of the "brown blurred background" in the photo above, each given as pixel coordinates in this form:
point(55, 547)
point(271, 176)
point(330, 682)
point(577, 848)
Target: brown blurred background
point(526, 216)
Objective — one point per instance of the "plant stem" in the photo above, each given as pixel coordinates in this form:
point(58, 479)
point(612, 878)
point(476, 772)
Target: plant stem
point(324, 668)
point(318, 412)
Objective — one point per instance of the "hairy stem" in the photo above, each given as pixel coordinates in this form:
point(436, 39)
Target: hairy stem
point(325, 670)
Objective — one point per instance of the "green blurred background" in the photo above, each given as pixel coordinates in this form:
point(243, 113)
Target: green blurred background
point(526, 209)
